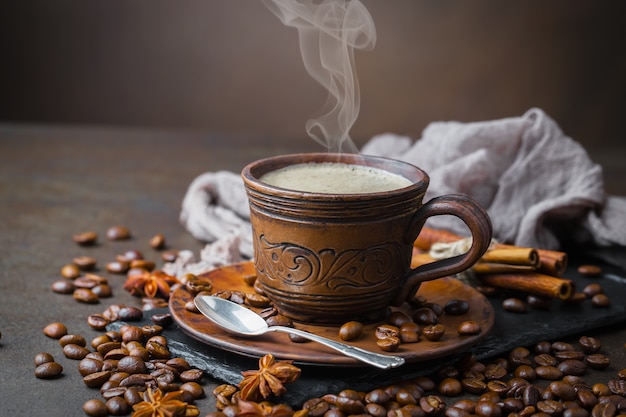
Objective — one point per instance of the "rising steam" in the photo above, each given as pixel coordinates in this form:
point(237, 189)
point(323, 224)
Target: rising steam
point(329, 31)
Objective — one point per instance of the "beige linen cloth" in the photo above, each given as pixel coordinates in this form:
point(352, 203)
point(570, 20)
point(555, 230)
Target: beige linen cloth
point(539, 187)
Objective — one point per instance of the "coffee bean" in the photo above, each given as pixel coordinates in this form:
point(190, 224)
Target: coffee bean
point(434, 332)
point(72, 351)
point(73, 338)
point(586, 398)
point(350, 330)
point(169, 255)
point(95, 408)
point(48, 370)
point(550, 407)
point(550, 373)
point(562, 390)
point(55, 330)
point(468, 328)
point(560, 346)
point(589, 344)
point(142, 264)
point(545, 359)
point(600, 300)
point(85, 295)
point(117, 406)
point(474, 385)
point(589, 270)
point(118, 267)
point(63, 286)
point(604, 410)
point(514, 305)
point(409, 332)
point(488, 409)
point(617, 386)
point(539, 303)
point(526, 372)
point(88, 366)
point(593, 289)
point(70, 271)
point(387, 330)
point(118, 233)
point(85, 238)
point(389, 344)
point(569, 354)
point(456, 307)
point(450, 387)
point(130, 313)
point(42, 358)
point(103, 291)
point(84, 262)
point(598, 361)
point(162, 319)
point(425, 316)
point(398, 318)
point(572, 367)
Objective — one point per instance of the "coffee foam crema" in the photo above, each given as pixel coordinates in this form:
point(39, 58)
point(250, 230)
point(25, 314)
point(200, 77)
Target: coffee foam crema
point(335, 178)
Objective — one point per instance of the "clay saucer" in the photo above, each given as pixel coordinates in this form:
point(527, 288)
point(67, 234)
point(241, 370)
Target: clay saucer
point(440, 291)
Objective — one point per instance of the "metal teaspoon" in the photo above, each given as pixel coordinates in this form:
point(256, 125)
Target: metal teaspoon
point(241, 320)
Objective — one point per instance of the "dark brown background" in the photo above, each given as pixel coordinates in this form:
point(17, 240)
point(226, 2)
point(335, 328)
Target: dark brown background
point(224, 65)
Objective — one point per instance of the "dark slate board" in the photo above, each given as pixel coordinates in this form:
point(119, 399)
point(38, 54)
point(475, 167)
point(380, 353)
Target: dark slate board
point(510, 330)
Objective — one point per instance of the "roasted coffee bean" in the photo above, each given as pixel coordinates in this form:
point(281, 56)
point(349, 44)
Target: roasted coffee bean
point(586, 398)
point(73, 338)
point(561, 346)
point(63, 286)
point(617, 386)
point(456, 307)
point(450, 387)
point(589, 270)
point(520, 356)
point(543, 347)
point(569, 354)
point(409, 332)
point(398, 318)
point(589, 344)
point(539, 303)
point(432, 405)
point(162, 319)
point(117, 406)
point(550, 407)
point(98, 321)
point(48, 370)
point(488, 409)
point(474, 385)
point(130, 313)
point(70, 271)
point(434, 332)
point(85, 238)
point(604, 410)
point(600, 300)
point(572, 367)
point(85, 263)
point(389, 344)
point(85, 295)
point(562, 390)
point(494, 371)
point(468, 328)
point(593, 289)
point(96, 379)
point(118, 267)
point(526, 372)
point(257, 300)
point(511, 405)
point(118, 233)
point(279, 320)
point(73, 351)
point(387, 330)
point(169, 255)
point(575, 412)
point(42, 358)
point(514, 305)
point(95, 408)
point(132, 365)
point(350, 330)
point(150, 330)
point(89, 366)
point(425, 316)
point(498, 387)
point(597, 361)
point(143, 264)
point(545, 359)
point(550, 373)
point(55, 330)
point(576, 298)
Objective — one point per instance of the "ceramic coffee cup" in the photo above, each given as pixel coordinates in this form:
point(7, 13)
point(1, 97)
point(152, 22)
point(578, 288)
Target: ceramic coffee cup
point(329, 257)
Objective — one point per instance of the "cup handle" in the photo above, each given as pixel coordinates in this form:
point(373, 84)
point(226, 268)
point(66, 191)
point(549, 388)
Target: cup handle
point(473, 215)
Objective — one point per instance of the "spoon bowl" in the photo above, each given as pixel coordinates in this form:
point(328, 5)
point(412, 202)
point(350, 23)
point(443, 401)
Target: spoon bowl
point(238, 319)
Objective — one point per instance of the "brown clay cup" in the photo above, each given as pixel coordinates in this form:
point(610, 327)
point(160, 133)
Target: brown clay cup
point(330, 258)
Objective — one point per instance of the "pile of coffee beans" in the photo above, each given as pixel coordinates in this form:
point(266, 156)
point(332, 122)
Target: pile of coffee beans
point(545, 380)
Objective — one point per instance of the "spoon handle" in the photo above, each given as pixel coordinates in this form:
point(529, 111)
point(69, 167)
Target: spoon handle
point(372, 358)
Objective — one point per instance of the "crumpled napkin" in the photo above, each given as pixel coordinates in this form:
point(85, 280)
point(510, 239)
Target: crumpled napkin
point(539, 186)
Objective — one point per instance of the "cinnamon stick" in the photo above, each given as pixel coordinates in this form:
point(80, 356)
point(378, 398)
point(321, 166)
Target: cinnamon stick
point(532, 283)
point(512, 255)
point(501, 268)
point(551, 262)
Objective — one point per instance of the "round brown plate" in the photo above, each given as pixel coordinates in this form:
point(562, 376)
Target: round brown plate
point(438, 291)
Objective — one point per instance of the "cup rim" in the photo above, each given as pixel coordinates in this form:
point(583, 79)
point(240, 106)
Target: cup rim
point(254, 170)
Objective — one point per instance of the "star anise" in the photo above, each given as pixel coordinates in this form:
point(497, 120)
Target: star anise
point(150, 284)
point(155, 404)
point(268, 380)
